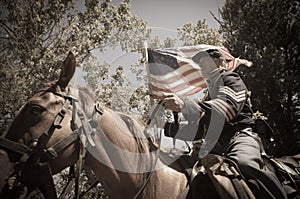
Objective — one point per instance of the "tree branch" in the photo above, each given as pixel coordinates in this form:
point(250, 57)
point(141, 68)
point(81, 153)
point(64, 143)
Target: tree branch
point(8, 30)
point(219, 21)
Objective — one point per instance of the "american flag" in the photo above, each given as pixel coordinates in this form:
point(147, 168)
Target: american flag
point(174, 71)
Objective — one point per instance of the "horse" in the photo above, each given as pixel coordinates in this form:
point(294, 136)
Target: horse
point(117, 150)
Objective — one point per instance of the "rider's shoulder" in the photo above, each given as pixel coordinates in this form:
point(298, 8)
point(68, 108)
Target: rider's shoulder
point(231, 76)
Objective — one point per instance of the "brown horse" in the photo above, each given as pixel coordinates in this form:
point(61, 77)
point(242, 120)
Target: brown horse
point(126, 161)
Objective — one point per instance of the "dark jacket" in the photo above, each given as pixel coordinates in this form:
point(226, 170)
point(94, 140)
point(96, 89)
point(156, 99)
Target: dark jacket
point(226, 110)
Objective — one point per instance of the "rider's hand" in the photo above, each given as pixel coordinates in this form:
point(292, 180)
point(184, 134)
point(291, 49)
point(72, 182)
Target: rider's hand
point(172, 102)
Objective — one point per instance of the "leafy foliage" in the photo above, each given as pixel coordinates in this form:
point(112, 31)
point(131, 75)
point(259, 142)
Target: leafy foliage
point(36, 35)
point(199, 34)
point(267, 33)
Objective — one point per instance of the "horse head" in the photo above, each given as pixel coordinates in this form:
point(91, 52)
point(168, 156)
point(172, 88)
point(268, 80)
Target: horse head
point(44, 120)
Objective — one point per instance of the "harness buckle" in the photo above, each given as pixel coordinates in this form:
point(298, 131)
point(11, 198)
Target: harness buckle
point(33, 143)
point(99, 108)
point(80, 114)
point(59, 117)
point(12, 182)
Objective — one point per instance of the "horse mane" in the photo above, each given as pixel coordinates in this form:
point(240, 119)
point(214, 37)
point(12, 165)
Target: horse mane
point(136, 126)
point(86, 100)
point(145, 142)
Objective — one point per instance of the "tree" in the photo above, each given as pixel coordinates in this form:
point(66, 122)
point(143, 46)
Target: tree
point(199, 34)
point(35, 35)
point(267, 33)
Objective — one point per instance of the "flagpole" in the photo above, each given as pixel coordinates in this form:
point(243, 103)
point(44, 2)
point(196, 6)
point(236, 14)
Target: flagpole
point(148, 72)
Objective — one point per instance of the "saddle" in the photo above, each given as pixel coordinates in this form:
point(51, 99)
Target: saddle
point(287, 169)
point(213, 176)
point(216, 176)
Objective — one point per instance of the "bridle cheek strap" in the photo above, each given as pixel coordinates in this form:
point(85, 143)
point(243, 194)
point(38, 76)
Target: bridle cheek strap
point(40, 144)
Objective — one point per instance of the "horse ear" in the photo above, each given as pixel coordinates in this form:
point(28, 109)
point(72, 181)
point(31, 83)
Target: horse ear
point(67, 71)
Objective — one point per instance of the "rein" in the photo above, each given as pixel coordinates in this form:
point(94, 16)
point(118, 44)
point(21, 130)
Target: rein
point(157, 153)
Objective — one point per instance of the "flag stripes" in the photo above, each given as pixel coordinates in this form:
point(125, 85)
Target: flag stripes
point(186, 92)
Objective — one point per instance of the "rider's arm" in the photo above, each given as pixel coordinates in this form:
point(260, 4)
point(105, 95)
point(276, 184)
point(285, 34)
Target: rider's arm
point(227, 99)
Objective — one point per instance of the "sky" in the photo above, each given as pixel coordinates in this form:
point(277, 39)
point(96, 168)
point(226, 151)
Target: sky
point(171, 14)
point(165, 16)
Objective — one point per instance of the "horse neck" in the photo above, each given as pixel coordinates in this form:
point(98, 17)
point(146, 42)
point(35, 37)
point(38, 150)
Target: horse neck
point(124, 158)
point(118, 152)
point(116, 140)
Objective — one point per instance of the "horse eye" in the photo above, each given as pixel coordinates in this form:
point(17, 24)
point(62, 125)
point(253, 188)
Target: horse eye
point(37, 110)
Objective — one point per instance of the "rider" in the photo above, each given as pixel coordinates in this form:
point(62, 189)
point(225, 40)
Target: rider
point(228, 99)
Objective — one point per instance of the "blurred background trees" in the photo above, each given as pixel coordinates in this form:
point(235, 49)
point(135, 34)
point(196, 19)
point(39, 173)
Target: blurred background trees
point(267, 33)
point(200, 33)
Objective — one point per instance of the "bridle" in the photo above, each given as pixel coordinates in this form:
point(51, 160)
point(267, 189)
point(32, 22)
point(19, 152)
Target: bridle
point(30, 156)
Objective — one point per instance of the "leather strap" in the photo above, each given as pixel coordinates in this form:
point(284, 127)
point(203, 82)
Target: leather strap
point(14, 146)
point(53, 151)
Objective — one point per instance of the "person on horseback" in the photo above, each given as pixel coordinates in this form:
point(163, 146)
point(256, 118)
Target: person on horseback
point(227, 102)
